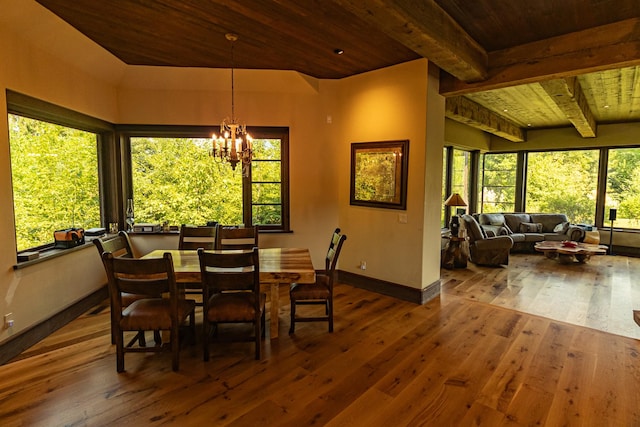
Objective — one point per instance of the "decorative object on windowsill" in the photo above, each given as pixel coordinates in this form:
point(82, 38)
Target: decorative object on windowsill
point(454, 200)
point(613, 214)
point(147, 228)
point(130, 215)
point(234, 143)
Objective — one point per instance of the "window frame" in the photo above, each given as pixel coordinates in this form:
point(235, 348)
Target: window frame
point(36, 109)
point(126, 132)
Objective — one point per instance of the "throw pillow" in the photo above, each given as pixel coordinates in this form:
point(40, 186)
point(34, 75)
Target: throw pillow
point(561, 228)
point(592, 237)
point(530, 227)
point(504, 231)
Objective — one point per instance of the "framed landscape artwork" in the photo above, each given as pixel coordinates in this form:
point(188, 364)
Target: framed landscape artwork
point(379, 174)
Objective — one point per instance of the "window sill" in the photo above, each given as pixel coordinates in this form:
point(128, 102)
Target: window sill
point(52, 253)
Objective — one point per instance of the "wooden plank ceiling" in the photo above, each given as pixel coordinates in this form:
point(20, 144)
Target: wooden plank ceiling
point(507, 66)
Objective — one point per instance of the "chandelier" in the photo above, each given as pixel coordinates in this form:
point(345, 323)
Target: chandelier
point(234, 143)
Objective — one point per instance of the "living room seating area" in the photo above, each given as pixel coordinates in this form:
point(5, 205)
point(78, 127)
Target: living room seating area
point(526, 229)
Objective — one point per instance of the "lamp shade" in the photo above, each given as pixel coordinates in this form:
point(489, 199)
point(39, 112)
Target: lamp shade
point(455, 200)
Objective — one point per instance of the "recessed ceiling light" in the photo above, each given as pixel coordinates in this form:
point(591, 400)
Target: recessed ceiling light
point(338, 51)
point(529, 124)
point(606, 106)
point(505, 110)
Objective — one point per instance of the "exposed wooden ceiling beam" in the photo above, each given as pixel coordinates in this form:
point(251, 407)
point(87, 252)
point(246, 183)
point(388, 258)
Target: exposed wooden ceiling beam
point(608, 46)
point(464, 110)
point(568, 95)
point(427, 30)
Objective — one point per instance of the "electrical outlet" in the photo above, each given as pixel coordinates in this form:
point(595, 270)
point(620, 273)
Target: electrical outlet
point(363, 265)
point(8, 320)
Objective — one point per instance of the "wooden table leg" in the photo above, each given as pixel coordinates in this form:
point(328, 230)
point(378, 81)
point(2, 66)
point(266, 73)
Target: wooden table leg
point(275, 310)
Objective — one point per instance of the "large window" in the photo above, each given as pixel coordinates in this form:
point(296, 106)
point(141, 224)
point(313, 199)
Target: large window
point(499, 180)
point(174, 179)
point(563, 181)
point(54, 173)
point(623, 186)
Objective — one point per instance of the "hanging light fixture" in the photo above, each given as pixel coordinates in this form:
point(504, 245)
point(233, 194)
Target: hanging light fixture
point(234, 143)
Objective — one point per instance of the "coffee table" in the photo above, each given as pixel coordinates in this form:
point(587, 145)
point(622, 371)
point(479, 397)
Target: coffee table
point(566, 254)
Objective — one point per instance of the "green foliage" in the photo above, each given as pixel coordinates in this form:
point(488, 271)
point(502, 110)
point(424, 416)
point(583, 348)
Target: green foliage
point(499, 182)
point(565, 182)
point(176, 180)
point(55, 179)
point(623, 186)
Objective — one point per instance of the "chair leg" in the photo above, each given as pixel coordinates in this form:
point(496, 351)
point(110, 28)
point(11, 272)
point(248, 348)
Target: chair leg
point(206, 336)
point(258, 336)
point(175, 346)
point(330, 313)
point(157, 337)
point(292, 327)
point(113, 327)
point(263, 321)
point(192, 324)
point(119, 351)
point(142, 341)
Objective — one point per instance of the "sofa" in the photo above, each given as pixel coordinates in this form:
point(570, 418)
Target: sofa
point(525, 229)
point(484, 249)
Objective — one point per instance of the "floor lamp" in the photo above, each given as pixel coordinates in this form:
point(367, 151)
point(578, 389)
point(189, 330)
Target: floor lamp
point(454, 200)
point(613, 213)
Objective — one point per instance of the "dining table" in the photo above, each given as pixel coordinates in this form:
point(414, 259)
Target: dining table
point(278, 267)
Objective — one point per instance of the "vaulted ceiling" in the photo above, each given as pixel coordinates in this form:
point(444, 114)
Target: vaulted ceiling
point(508, 66)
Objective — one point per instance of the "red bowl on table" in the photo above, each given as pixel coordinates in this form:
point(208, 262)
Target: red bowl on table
point(569, 244)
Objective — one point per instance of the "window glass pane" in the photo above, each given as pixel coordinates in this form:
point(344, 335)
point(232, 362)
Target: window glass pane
point(176, 180)
point(563, 182)
point(499, 182)
point(266, 193)
point(266, 149)
point(444, 188)
point(267, 214)
point(266, 187)
point(460, 174)
point(54, 173)
point(265, 171)
point(623, 187)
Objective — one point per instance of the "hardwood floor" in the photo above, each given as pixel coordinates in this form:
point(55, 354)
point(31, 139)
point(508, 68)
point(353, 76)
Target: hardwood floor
point(487, 352)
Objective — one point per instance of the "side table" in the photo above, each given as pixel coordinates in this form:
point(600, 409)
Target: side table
point(455, 253)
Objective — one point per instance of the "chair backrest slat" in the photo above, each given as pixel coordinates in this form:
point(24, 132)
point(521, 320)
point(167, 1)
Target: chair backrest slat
point(335, 246)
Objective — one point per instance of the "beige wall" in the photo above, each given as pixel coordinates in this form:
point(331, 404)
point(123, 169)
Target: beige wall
point(465, 137)
point(388, 104)
point(324, 116)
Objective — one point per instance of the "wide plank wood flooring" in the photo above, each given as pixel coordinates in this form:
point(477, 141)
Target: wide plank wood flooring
point(488, 352)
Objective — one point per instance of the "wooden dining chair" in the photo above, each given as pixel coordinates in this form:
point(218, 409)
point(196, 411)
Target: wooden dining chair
point(120, 247)
point(234, 237)
point(145, 277)
point(231, 293)
point(192, 238)
point(320, 292)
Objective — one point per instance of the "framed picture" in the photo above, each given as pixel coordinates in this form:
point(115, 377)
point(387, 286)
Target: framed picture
point(379, 174)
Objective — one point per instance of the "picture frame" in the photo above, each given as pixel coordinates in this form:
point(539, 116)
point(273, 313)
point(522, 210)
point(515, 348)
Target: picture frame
point(379, 173)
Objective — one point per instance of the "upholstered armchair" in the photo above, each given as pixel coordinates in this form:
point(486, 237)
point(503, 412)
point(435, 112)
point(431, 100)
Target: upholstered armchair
point(484, 250)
